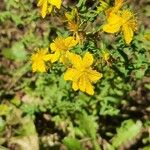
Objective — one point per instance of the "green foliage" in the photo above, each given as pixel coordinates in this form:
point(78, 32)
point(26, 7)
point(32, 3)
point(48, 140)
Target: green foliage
point(128, 131)
point(2, 124)
point(146, 147)
point(27, 127)
point(88, 126)
point(72, 144)
point(5, 109)
point(16, 52)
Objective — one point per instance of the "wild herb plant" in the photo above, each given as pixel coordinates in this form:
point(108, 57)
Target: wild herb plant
point(76, 75)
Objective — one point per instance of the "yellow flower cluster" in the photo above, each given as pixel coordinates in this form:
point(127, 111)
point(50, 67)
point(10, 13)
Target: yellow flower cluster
point(120, 20)
point(79, 70)
point(81, 74)
point(47, 6)
point(59, 49)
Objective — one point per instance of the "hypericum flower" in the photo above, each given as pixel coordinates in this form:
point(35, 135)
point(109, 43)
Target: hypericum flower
point(81, 74)
point(47, 6)
point(60, 47)
point(122, 21)
point(39, 59)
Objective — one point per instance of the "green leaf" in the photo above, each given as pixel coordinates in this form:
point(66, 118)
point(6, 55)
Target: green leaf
point(4, 15)
point(17, 52)
point(147, 147)
point(128, 131)
point(10, 3)
point(2, 124)
point(72, 144)
point(17, 19)
point(27, 127)
point(3, 148)
point(110, 147)
point(89, 127)
point(103, 6)
point(147, 86)
point(81, 3)
point(107, 109)
point(16, 101)
point(140, 73)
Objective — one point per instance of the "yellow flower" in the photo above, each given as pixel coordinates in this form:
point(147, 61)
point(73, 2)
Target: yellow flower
point(60, 47)
point(39, 59)
point(81, 74)
point(47, 6)
point(122, 21)
point(106, 56)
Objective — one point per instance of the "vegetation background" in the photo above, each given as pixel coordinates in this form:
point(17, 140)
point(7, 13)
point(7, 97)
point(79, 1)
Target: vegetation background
point(41, 111)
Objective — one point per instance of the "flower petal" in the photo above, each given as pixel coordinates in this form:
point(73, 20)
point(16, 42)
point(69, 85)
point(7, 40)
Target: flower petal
point(114, 24)
point(50, 8)
point(70, 42)
point(63, 59)
point(115, 8)
point(55, 57)
point(109, 28)
point(47, 57)
point(44, 9)
point(75, 86)
point(56, 3)
point(70, 74)
point(38, 66)
point(40, 2)
point(53, 47)
point(118, 5)
point(89, 88)
point(93, 75)
point(75, 60)
point(88, 59)
point(128, 33)
point(82, 83)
